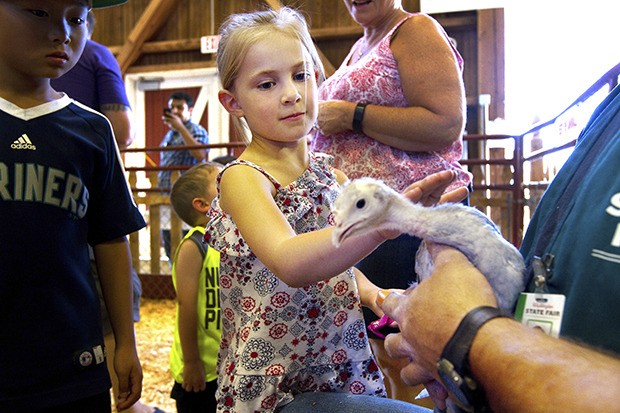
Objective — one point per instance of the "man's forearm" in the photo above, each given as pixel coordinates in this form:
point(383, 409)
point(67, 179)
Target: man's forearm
point(198, 154)
point(525, 370)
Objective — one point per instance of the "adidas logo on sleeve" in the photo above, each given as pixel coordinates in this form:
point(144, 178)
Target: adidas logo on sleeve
point(23, 142)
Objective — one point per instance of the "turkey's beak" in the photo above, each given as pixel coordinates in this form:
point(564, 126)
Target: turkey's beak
point(340, 234)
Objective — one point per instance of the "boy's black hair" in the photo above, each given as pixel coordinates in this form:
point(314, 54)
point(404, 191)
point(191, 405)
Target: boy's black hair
point(182, 96)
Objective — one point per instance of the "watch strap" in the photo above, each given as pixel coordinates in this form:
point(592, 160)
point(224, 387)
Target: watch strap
point(457, 349)
point(358, 117)
point(453, 365)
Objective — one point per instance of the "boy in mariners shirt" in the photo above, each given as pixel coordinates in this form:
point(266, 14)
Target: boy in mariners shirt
point(195, 274)
point(62, 188)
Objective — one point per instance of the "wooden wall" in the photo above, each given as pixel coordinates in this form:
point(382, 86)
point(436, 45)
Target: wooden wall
point(156, 35)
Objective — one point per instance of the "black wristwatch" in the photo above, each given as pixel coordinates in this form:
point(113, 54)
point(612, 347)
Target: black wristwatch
point(453, 366)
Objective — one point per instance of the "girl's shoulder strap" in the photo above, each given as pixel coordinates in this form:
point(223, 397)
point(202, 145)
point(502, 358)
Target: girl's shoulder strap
point(273, 180)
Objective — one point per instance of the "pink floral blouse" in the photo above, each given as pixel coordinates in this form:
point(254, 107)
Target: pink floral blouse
point(374, 79)
point(278, 341)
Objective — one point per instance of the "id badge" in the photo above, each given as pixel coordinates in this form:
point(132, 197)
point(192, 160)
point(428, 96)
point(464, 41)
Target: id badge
point(542, 311)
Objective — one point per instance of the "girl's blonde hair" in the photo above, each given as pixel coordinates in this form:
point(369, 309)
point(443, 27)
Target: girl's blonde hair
point(241, 31)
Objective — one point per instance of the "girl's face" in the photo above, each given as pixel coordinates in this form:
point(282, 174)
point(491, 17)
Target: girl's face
point(41, 38)
point(275, 90)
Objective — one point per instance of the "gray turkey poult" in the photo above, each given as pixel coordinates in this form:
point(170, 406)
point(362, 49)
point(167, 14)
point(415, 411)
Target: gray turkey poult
point(367, 204)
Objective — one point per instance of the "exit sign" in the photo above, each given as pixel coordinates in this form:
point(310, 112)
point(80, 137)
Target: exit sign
point(208, 44)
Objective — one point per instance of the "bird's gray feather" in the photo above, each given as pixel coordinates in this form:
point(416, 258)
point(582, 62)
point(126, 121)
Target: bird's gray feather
point(367, 204)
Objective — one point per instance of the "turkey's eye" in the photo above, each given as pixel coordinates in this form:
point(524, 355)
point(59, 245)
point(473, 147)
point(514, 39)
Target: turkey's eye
point(360, 204)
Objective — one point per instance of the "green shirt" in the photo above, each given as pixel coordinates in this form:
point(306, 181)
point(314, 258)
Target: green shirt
point(208, 310)
point(584, 202)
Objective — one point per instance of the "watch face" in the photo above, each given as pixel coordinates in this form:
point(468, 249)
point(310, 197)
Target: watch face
point(455, 384)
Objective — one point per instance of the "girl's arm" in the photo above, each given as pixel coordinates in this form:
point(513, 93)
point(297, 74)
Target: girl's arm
point(188, 266)
point(302, 259)
point(433, 85)
point(114, 268)
point(298, 260)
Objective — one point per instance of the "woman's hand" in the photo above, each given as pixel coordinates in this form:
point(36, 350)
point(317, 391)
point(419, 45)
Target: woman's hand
point(335, 116)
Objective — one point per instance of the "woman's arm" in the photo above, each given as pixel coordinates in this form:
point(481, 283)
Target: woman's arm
point(120, 116)
point(432, 82)
point(302, 259)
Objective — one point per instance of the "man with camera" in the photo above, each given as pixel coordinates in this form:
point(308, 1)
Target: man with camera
point(183, 133)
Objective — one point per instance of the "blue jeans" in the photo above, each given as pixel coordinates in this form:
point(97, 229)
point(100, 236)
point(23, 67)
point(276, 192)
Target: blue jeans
point(314, 402)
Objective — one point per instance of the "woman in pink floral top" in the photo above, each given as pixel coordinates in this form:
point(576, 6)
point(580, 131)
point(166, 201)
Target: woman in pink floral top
point(394, 111)
point(290, 301)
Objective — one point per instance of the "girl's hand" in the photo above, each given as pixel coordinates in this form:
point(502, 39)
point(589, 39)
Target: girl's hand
point(430, 191)
point(376, 308)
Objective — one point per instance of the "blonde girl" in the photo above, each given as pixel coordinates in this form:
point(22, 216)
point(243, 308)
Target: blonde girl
point(293, 334)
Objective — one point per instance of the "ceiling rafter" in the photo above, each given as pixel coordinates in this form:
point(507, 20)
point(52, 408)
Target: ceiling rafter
point(152, 19)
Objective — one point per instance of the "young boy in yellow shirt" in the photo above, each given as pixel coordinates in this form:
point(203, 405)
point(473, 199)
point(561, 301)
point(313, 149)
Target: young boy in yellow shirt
point(195, 275)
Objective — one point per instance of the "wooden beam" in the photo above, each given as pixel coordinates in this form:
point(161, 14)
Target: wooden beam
point(171, 66)
point(491, 78)
point(184, 45)
point(336, 33)
point(156, 13)
point(164, 46)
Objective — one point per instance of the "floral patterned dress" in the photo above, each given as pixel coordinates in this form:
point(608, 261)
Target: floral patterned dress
point(375, 79)
point(279, 341)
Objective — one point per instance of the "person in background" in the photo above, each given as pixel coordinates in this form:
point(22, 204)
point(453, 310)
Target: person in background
point(195, 275)
point(293, 335)
point(183, 132)
point(394, 111)
point(97, 82)
point(61, 169)
point(577, 239)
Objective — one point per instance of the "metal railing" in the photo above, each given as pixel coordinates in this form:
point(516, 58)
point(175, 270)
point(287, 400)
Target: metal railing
point(503, 188)
point(521, 193)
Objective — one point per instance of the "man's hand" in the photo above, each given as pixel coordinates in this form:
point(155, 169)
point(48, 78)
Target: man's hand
point(429, 313)
point(173, 121)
